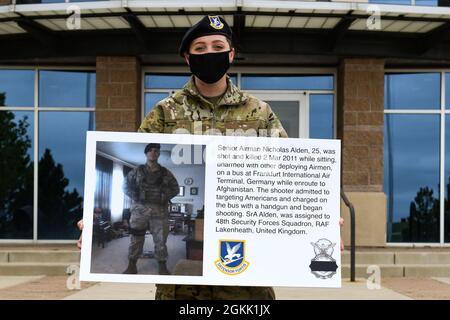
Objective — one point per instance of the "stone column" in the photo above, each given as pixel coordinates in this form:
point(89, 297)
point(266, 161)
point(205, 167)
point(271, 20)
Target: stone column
point(360, 124)
point(118, 104)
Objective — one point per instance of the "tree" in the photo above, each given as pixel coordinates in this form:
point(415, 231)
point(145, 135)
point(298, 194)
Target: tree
point(424, 217)
point(59, 209)
point(447, 214)
point(15, 166)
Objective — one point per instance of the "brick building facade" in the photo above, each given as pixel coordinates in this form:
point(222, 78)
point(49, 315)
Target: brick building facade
point(119, 96)
point(360, 127)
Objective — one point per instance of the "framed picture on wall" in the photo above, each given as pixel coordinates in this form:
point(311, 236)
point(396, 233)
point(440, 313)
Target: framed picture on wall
point(194, 191)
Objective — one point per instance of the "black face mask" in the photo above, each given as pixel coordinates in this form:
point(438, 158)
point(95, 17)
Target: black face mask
point(209, 67)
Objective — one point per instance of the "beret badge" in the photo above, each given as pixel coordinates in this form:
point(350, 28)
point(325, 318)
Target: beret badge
point(215, 22)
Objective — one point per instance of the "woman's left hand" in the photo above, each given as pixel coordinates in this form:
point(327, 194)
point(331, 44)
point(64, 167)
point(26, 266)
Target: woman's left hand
point(80, 226)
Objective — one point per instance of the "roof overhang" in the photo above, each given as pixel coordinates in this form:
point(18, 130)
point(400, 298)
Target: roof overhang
point(299, 27)
point(259, 14)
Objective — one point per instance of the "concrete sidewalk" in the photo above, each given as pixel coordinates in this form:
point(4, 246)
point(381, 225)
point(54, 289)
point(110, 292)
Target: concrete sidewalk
point(55, 288)
point(349, 291)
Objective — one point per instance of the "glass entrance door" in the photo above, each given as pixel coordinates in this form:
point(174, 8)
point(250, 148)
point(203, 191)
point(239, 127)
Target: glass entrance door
point(291, 109)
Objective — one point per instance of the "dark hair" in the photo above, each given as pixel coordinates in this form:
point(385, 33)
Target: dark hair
point(150, 146)
point(230, 42)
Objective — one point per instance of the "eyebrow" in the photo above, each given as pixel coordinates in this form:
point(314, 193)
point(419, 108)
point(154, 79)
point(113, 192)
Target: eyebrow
point(203, 42)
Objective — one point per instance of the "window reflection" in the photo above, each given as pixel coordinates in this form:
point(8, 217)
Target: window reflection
point(287, 82)
point(412, 91)
point(171, 80)
point(66, 89)
point(16, 174)
point(62, 137)
point(447, 181)
point(404, 2)
point(447, 90)
point(49, 1)
point(407, 2)
point(321, 116)
point(426, 2)
point(17, 87)
point(151, 99)
point(60, 169)
point(166, 81)
point(289, 114)
point(411, 183)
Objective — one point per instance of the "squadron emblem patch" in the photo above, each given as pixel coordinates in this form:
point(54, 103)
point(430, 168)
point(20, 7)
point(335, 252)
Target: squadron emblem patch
point(323, 265)
point(231, 257)
point(215, 22)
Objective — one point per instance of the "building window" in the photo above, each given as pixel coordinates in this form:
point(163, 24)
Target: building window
point(50, 1)
point(44, 200)
point(407, 2)
point(413, 199)
point(287, 82)
point(446, 180)
point(416, 141)
point(413, 91)
point(321, 114)
point(68, 89)
point(16, 172)
point(318, 88)
point(165, 81)
point(17, 87)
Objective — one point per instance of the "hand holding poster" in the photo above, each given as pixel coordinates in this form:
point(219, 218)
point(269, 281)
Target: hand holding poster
point(270, 209)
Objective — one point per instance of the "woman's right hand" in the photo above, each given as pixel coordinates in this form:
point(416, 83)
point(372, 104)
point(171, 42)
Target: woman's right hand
point(80, 226)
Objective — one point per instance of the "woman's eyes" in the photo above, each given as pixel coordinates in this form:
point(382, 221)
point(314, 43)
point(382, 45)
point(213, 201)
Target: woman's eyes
point(199, 48)
point(203, 48)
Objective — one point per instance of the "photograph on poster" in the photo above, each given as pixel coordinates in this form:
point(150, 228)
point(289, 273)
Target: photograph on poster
point(143, 220)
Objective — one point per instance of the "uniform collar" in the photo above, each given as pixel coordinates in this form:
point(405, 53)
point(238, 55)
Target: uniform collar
point(232, 96)
point(158, 167)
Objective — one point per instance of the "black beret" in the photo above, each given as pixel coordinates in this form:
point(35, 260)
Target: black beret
point(151, 145)
point(210, 24)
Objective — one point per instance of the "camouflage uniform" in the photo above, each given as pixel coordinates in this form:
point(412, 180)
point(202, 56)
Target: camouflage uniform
point(150, 192)
point(187, 111)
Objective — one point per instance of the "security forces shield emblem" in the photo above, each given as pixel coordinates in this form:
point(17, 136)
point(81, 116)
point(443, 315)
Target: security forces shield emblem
point(215, 22)
point(232, 257)
point(323, 265)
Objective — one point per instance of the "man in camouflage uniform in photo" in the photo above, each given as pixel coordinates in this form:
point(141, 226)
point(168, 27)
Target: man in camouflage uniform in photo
point(232, 113)
point(150, 187)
